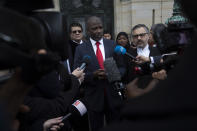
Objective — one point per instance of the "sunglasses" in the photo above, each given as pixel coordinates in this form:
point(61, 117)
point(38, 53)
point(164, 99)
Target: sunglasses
point(75, 31)
point(141, 35)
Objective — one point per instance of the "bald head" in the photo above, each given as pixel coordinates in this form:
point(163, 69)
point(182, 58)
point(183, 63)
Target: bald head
point(92, 20)
point(95, 28)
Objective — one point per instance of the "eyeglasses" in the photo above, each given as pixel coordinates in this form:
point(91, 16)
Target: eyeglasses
point(75, 31)
point(141, 35)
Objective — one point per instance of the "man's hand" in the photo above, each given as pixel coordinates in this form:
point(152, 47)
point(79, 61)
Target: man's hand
point(53, 124)
point(78, 73)
point(81, 79)
point(142, 59)
point(160, 75)
point(100, 74)
point(133, 91)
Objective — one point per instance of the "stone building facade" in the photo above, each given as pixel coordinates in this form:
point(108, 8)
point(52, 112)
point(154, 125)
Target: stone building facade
point(127, 13)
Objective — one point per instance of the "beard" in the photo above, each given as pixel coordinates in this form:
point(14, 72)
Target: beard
point(140, 44)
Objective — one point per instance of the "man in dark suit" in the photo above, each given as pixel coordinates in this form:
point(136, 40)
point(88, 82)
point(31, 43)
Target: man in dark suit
point(144, 53)
point(140, 35)
point(100, 96)
point(76, 36)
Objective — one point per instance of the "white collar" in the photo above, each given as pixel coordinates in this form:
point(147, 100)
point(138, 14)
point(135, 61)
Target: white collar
point(145, 48)
point(94, 42)
point(77, 42)
point(144, 52)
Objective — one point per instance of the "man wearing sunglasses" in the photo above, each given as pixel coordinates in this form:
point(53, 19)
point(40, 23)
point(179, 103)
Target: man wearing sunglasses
point(76, 36)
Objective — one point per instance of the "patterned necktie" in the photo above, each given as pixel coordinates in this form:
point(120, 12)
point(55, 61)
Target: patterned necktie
point(99, 55)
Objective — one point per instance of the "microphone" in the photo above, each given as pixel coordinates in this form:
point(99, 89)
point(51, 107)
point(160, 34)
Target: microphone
point(113, 76)
point(77, 109)
point(121, 50)
point(112, 71)
point(85, 62)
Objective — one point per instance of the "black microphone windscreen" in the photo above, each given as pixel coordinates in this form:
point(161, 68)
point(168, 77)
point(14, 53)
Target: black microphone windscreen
point(85, 62)
point(76, 110)
point(80, 107)
point(113, 74)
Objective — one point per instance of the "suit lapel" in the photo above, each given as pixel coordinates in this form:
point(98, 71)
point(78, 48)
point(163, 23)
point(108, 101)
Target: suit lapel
point(106, 48)
point(150, 49)
point(133, 52)
point(92, 54)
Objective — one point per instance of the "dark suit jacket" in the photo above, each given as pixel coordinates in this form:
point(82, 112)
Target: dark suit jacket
point(71, 53)
point(94, 89)
point(154, 51)
point(145, 79)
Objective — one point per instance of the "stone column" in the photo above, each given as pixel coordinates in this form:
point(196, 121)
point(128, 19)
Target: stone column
point(122, 16)
point(57, 5)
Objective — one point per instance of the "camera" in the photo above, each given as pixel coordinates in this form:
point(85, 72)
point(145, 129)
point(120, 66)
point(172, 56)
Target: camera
point(20, 41)
point(172, 43)
point(175, 37)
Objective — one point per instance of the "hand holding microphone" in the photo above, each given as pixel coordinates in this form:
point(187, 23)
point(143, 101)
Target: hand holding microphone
point(142, 59)
point(79, 74)
point(114, 76)
point(85, 61)
point(121, 50)
point(53, 124)
point(138, 59)
point(77, 109)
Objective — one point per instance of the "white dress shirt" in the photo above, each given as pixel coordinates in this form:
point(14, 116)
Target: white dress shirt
point(101, 46)
point(144, 52)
